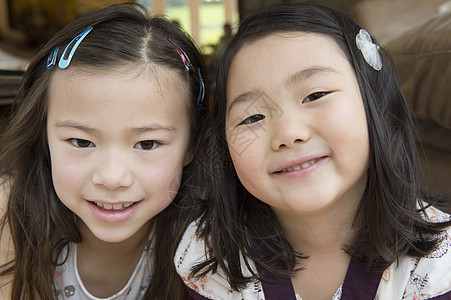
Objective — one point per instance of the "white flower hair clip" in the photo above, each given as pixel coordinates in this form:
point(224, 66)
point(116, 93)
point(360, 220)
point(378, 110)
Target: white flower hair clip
point(369, 49)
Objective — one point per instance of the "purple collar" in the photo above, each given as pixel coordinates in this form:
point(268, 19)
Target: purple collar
point(358, 285)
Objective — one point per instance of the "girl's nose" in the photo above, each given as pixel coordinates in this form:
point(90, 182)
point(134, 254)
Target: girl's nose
point(113, 172)
point(288, 130)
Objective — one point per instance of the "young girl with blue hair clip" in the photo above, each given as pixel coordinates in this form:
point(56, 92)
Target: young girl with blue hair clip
point(101, 139)
point(311, 172)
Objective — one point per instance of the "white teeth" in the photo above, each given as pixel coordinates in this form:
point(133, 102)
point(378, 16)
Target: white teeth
point(117, 206)
point(299, 167)
point(114, 207)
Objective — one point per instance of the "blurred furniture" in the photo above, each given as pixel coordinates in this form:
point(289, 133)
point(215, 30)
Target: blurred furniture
point(9, 86)
point(418, 35)
point(249, 7)
point(386, 19)
point(12, 68)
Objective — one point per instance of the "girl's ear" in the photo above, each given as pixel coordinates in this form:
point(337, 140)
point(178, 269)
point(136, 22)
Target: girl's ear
point(189, 156)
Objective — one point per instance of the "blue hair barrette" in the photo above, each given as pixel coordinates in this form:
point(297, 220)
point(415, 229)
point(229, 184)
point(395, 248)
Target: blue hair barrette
point(200, 98)
point(51, 60)
point(66, 58)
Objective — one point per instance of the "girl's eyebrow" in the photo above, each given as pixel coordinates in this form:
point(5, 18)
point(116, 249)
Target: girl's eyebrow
point(309, 72)
point(153, 127)
point(73, 124)
point(134, 130)
point(244, 97)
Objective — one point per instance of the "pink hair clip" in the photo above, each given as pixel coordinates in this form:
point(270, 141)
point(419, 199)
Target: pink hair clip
point(189, 67)
point(185, 59)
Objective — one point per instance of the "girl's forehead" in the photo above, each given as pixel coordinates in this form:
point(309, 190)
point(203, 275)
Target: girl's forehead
point(293, 38)
point(163, 75)
point(279, 52)
point(151, 81)
point(126, 68)
point(129, 96)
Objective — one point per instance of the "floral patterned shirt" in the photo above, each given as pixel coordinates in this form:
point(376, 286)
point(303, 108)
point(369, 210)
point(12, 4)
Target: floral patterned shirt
point(412, 278)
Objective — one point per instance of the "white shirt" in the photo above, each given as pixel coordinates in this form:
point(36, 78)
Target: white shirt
point(69, 285)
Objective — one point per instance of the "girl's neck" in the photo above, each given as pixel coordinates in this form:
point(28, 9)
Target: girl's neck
point(105, 268)
point(316, 237)
point(320, 236)
point(325, 232)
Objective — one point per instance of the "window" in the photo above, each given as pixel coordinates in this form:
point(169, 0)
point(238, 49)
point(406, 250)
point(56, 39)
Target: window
point(203, 19)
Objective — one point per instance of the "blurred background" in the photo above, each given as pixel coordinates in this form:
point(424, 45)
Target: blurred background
point(26, 24)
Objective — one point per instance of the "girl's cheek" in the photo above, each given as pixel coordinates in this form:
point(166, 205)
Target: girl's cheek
point(241, 138)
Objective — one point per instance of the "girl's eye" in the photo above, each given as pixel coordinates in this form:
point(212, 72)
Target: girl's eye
point(315, 96)
point(147, 145)
point(252, 119)
point(80, 143)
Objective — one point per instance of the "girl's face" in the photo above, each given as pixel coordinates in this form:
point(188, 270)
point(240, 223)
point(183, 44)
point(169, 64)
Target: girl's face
point(296, 125)
point(118, 143)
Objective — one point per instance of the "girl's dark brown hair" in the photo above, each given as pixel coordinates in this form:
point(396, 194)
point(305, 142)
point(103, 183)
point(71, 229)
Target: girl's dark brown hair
point(388, 222)
point(41, 226)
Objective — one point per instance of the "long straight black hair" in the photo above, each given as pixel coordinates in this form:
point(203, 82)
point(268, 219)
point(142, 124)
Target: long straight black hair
point(387, 223)
point(40, 225)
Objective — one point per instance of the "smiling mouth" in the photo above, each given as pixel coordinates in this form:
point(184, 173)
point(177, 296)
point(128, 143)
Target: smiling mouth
point(299, 166)
point(114, 207)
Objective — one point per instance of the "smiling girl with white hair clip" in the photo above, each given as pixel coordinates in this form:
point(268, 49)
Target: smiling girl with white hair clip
point(311, 172)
